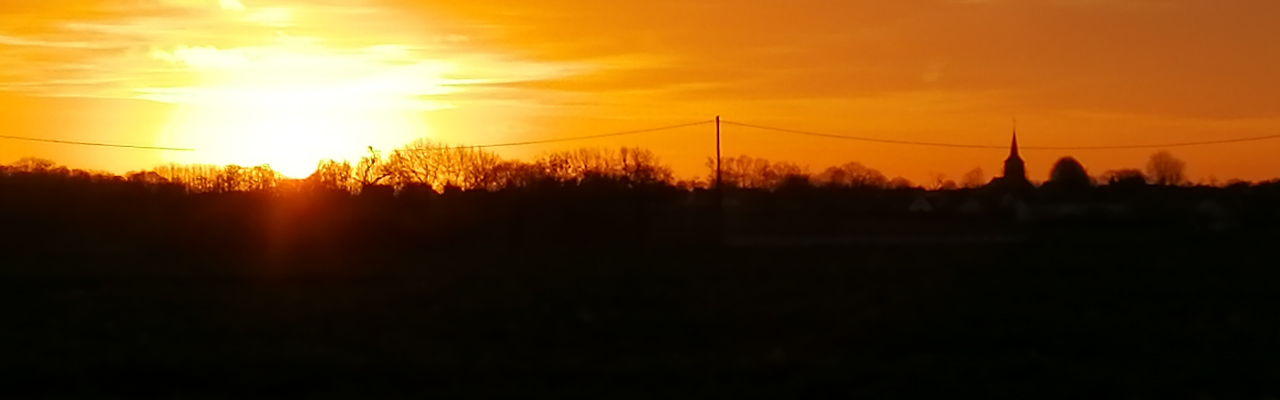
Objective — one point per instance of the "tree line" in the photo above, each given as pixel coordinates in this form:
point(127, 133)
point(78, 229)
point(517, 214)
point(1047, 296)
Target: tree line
point(427, 192)
point(429, 165)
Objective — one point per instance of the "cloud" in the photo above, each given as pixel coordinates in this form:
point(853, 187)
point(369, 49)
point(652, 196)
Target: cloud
point(231, 5)
point(199, 52)
point(306, 71)
point(1144, 56)
point(29, 42)
point(273, 16)
point(204, 57)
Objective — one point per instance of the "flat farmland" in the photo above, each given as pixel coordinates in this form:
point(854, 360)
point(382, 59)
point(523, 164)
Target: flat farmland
point(1061, 319)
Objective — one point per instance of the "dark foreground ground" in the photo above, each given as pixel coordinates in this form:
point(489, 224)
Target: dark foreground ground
point(1189, 319)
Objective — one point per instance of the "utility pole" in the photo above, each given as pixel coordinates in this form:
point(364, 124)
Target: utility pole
point(719, 208)
point(718, 171)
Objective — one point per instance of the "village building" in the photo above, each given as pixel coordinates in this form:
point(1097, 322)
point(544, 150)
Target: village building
point(1014, 179)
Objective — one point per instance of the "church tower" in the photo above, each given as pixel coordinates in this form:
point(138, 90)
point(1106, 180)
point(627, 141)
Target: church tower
point(1014, 168)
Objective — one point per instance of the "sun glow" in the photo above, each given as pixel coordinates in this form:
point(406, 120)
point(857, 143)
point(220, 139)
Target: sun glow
point(286, 83)
point(296, 102)
point(290, 140)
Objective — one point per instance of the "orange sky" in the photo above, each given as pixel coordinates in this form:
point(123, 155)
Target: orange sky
point(217, 75)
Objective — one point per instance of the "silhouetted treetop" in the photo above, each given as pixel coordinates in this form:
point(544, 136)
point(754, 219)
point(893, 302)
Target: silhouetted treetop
point(1069, 174)
point(975, 178)
point(1165, 169)
point(633, 166)
point(1123, 177)
point(752, 172)
point(852, 174)
point(32, 164)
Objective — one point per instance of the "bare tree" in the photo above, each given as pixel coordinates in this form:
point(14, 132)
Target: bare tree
point(516, 174)
point(975, 178)
point(634, 166)
point(900, 183)
point(230, 179)
point(372, 169)
point(262, 178)
point(145, 178)
point(32, 164)
point(198, 178)
point(425, 162)
point(1128, 176)
point(785, 173)
point(332, 175)
point(753, 172)
point(479, 168)
point(415, 163)
point(1165, 169)
point(641, 166)
point(938, 180)
point(852, 174)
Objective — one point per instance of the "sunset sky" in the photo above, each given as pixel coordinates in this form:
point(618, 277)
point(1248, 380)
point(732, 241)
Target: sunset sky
point(289, 81)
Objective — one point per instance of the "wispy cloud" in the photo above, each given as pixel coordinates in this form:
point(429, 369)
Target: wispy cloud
point(233, 5)
point(55, 44)
point(197, 51)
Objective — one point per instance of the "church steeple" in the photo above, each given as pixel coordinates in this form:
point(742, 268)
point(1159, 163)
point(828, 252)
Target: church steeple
point(1014, 179)
point(1013, 148)
point(1014, 168)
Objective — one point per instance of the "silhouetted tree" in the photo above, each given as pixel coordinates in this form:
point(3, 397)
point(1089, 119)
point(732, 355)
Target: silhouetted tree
point(475, 168)
point(900, 183)
point(437, 165)
point(940, 182)
point(1165, 169)
point(1211, 181)
point(752, 172)
point(196, 178)
point(231, 179)
point(372, 170)
point(641, 166)
point(630, 166)
point(32, 164)
point(516, 174)
point(1238, 184)
point(1124, 177)
point(691, 184)
point(975, 178)
point(261, 178)
point(415, 163)
point(852, 174)
point(795, 182)
point(332, 175)
point(145, 177)
point(1068, 174)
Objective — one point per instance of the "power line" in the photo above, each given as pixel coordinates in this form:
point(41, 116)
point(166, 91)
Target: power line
point(977, 146)
point(1152, 146)
point(531, 142)
point(123, 146)
point(864, 139)
point(762, 127)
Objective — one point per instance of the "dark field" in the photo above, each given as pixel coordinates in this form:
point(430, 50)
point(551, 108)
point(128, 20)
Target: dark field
point(1192, 319)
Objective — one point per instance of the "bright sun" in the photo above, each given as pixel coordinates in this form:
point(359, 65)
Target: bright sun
point(289, 139)
point(294, 103)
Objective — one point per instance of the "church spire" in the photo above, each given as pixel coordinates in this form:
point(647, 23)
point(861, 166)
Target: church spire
point(1013, 148)
point(1014, 168)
